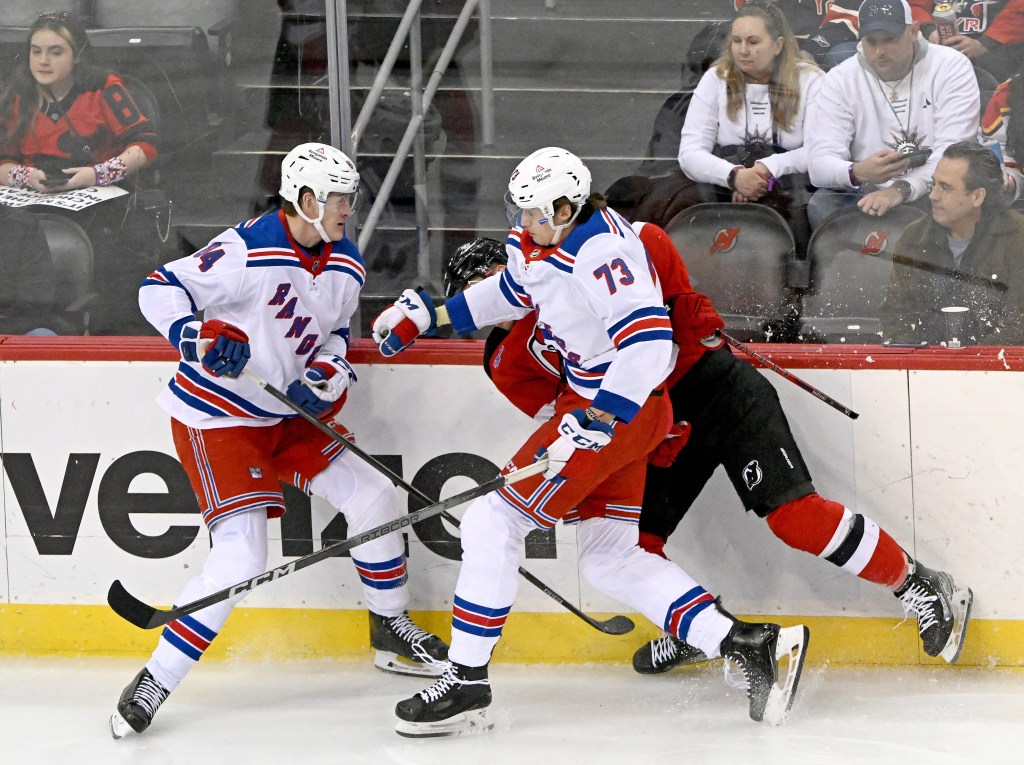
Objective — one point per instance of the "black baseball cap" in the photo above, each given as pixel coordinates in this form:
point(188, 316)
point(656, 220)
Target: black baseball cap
point(892, 16)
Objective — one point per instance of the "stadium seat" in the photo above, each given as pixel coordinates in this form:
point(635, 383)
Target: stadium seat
point(987, 84)
point(741, 255)
point(177, 66)
point(72, 255)
point(851, 263)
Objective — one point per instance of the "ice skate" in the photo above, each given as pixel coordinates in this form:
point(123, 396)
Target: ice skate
point(663, 654)
point(137, 705)
point(941, 608)
point(405, 649)
point(752, 653)
point(455, 705)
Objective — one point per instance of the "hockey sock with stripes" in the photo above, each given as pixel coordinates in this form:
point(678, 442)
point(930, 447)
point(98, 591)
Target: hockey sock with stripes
point(849, 540)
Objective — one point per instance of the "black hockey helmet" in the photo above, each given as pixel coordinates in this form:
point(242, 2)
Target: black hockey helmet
point(473, 259)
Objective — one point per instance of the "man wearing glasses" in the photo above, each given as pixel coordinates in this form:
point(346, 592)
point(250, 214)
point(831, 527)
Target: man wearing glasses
point(966, 255)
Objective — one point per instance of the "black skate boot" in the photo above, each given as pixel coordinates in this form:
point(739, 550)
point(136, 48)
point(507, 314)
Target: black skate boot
point(137, 705)
point(752, 653)
point(405, 649)
point(941, 608)
point(455, 705)
point(663, 654)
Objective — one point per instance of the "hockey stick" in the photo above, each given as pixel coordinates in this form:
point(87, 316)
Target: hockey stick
point(131, 609)
point(766, 362)
point(617, 625)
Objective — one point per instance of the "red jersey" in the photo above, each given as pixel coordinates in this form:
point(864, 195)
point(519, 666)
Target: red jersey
point(528, 372)
point(87, 127)
point(1000, 20)
point(523, 366)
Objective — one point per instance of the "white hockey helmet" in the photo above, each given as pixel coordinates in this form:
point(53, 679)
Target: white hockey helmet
point(324, 170)
point(546, 176)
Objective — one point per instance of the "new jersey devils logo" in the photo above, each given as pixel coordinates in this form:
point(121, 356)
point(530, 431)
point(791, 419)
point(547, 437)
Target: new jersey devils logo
point(752, 474)
point(874, 243)
point(724, 241)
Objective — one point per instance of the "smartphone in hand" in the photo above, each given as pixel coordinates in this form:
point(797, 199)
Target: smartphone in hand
point(917, 158)
point(52, 183)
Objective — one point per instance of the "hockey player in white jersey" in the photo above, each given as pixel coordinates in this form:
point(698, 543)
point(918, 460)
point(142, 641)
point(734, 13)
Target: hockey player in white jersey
point(277, 294)
point(597, 298)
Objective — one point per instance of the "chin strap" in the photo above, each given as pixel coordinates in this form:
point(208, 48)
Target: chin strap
point(559, 229)
point(315, 221)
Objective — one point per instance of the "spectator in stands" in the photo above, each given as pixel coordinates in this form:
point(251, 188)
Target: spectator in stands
point(27, 277)
point(877, 112)
point(826, 29)
point(966, 254)
point(66, 124)
point(744, 131)
point(1004, 135)
point(990, 33)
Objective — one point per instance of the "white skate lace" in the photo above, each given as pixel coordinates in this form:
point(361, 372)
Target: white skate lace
point(734, 674)
point(406, 629)
point(448, 680)
point(916, 602)
point(149, 695)
point(663, 650)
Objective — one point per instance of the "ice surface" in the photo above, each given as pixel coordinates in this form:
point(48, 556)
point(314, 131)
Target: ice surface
point(303, 713)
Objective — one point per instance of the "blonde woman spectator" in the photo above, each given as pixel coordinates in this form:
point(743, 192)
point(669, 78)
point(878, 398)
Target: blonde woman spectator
point(744, 131)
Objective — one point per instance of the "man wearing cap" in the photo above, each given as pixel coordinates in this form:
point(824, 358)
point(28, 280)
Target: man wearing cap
point(877, 112)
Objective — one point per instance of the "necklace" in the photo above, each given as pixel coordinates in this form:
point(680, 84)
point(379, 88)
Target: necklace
point(894, 97)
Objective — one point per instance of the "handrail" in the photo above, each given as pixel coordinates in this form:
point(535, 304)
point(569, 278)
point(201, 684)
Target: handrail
point(386, 67)
point(415, 123)
point(339, 93)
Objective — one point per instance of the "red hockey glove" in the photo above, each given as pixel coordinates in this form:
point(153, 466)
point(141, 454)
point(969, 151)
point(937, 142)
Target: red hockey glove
point(665, 453)
point(696, 322)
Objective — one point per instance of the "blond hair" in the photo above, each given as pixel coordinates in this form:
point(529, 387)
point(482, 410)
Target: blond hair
point(784, 86)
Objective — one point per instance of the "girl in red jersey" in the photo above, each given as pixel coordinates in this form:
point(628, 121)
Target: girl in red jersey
point(64, 124)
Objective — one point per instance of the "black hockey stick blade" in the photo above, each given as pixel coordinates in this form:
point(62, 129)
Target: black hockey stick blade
point(617, 625)
point(146, 617)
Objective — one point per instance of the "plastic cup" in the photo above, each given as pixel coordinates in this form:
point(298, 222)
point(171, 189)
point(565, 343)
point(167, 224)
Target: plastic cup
point(957, 320)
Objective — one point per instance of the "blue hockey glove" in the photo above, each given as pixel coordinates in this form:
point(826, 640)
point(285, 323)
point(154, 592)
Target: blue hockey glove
point(228, 350)
point(308, 401)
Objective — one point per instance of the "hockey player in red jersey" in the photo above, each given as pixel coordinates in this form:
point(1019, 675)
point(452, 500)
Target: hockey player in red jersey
point(277, 293)
point(581, 270)
point(736, 420)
